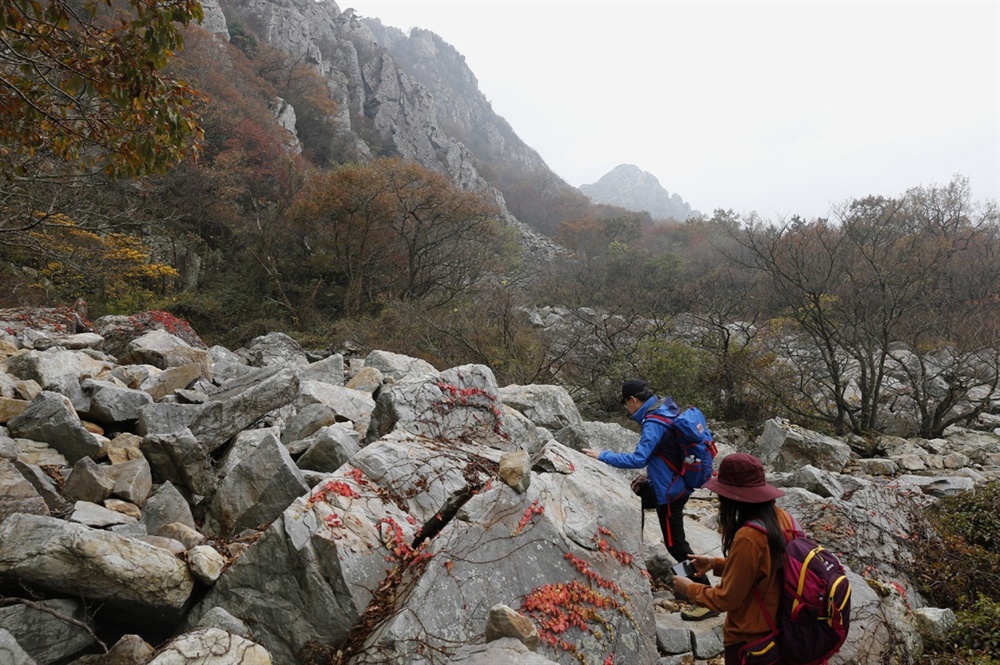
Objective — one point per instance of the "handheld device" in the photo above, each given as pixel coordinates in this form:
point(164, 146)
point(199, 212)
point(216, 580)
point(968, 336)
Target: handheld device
point(685, 569)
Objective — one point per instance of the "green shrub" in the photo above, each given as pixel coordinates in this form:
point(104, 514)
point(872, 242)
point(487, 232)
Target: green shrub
point(974, 517)
point(673, 368)
point(975, 639)
point(962, 562)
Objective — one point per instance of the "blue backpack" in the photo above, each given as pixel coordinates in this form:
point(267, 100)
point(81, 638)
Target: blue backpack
point(695, 441)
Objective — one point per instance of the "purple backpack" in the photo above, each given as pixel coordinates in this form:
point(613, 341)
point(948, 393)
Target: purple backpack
point(814, 613)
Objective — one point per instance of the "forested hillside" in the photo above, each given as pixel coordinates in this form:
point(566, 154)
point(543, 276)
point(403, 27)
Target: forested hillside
point(248, 182)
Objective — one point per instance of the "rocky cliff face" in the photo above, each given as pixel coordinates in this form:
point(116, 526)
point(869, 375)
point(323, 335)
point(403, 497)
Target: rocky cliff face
point(629, 187)
point(382, 108)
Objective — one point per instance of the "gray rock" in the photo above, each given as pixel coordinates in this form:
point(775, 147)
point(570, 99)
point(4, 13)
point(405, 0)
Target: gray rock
point(243, 446)
point(305, 423)
point(223, 620)
point(165, 507)
point(50, 418)
point(38, 453)
point(112, 403)
point(180, 458)
point(396, 367)
point(129, 650)
point(182, 533)
point(275, 350)
point(459, 402)
point(49, 631)
point(242, 402)
point(786, 447)
point(878, 466)
point(44, 486)
point(328, 370)
point(11, 651)
point(940, 486)
point(88, 482)
point(522, 432)
point(166, 418)
point(205, 563)
point(227, 365)
point(347, 404)
point(256, 490)
point(133, 480)
point(64, 557)
point(547, 406)
point(672, 635)
point(98, 517)
point(934, 623)
point(162, 349)
point(171, 380)
point(17, 495)
point(503, 621)
point(368, 380)
point(515, 470)
point(211, 645)
point(329, 449)
point(58, 371)
point(506, 650)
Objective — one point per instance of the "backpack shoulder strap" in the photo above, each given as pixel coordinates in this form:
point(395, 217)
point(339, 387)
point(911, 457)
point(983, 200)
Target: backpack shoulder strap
point(763, 610)
point(649, 415)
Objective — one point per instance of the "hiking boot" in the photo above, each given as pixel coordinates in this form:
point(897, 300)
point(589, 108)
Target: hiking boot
point(698, 613)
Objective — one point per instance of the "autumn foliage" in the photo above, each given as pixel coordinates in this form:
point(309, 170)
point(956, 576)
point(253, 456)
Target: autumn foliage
point(83, 82)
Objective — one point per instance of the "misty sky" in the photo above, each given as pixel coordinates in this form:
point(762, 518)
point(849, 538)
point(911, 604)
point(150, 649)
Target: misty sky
point(775, 107)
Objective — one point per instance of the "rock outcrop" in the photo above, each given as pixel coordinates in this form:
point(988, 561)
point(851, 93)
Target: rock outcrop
point(629, 187)
point(377, 97)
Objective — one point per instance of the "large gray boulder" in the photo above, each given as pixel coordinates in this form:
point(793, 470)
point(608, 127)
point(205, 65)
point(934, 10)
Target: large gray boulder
point(274, 350)
point(49, 631)
point(59, 371)
point(354, 538)
point(163, 350)
point(17, 495)
point(395, 367)
point(786, 447)
point(113, 403)
point(180, 458)
point(139, 580)
point(547, 406)
point(459, 402)
point(242, 402)
point(211, 646)
point(51, 418)
point(256, 490)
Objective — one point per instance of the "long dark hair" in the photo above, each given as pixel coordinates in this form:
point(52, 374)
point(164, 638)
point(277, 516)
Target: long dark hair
point(734, 514)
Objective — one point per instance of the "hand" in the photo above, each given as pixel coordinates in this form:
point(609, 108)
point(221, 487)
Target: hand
point(590, 452)
point(681, 585)
point(702, 564)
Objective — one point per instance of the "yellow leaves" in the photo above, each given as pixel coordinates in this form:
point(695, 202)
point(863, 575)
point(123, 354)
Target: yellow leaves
point(111, 266)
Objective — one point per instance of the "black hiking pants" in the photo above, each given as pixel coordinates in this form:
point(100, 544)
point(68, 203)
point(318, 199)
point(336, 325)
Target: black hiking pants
point(671, 519)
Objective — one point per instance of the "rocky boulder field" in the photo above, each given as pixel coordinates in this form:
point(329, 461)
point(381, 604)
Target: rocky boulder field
point(163, 502)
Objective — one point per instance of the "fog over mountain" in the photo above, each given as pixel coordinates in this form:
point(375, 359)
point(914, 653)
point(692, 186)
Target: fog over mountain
point(630, 187)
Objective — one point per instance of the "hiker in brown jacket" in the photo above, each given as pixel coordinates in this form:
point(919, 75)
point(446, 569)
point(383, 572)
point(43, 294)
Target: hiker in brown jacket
point(752, 558)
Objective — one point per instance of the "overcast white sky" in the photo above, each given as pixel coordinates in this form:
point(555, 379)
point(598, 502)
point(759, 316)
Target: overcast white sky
point(775, 107)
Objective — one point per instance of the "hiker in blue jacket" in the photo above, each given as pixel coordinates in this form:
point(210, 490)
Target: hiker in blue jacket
point(655, 415)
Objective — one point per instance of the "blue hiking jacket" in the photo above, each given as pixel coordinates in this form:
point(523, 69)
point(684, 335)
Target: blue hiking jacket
point(666, 483)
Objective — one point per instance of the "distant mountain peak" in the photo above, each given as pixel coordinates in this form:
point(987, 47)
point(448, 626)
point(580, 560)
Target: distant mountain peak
point(627, 186)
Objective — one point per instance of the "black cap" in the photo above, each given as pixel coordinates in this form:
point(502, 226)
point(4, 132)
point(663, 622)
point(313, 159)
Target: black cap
point(633, 387)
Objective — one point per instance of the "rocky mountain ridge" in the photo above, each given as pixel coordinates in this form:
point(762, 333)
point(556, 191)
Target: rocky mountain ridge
point(629, 187)
point(379, 104)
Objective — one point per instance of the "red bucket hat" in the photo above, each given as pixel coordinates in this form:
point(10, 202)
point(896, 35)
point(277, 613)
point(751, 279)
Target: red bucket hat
point(741, 478)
